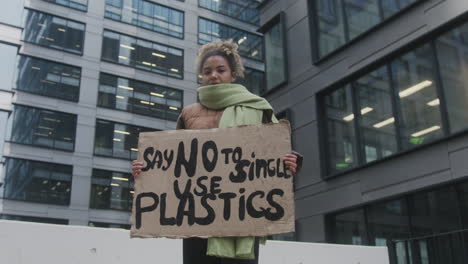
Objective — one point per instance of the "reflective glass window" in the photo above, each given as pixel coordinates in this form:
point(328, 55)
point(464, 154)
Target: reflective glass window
point(388, 221)
point(341, 144)
point(81, 5)
point(148, 15)
point(142, 54)
point(253, 80)
point(34, 219)
point(463, 191)
point(111, 190)
point(378, 135)
point(44, 128)
point(349, 228)
point(275, 59)
point(434, 212)
point(35, 181)
point(117, 140)
point(53, 32)
point(414, 79)
point(139, 97)
point(452, 54)
point(244, 10)
point(340, 21)
point(108, 225)
point(48, 78)
point(250, 45)
point(8, 53)
point(3, 126)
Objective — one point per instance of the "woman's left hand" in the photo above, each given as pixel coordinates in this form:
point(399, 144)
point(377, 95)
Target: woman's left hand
point(291, 162)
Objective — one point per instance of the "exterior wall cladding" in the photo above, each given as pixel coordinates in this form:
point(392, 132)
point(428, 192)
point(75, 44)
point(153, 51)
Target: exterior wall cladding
point(82, 159)
point(429, 166)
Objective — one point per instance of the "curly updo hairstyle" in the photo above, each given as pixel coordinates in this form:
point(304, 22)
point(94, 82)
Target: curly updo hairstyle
point(224, 48)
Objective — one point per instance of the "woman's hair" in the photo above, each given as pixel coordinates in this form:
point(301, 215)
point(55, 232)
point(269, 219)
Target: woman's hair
point(224, 48)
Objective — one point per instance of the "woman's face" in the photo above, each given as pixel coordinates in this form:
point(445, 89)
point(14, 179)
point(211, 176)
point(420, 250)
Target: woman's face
point(216, 70)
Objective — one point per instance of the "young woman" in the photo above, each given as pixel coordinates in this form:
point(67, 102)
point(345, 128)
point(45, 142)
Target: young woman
point(223, 104)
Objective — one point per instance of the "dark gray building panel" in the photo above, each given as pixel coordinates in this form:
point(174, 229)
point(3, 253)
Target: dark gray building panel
point(422, 169)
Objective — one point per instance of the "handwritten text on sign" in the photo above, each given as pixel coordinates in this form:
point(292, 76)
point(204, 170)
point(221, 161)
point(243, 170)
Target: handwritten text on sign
point(214, 182)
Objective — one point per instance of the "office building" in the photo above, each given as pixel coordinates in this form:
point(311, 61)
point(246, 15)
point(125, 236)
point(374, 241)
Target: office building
point(377, 92)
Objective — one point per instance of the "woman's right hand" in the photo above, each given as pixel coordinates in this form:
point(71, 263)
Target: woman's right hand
point(136, 168)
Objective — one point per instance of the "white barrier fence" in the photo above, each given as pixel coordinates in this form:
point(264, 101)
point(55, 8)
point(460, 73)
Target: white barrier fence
point(28, 243)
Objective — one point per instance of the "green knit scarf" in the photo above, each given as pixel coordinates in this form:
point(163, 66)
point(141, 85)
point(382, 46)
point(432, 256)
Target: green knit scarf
point(241, 107)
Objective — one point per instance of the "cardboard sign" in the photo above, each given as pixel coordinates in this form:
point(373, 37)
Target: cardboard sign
point(214, 183)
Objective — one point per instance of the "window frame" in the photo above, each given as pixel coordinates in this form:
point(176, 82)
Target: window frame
point(235, 28)
point(224, 14)
point(428, 39)
point(139, 68)
point(29, 168)
point(69, 5)
point(22, 38)
point(12, 115)
point(314, 28)
point(116, 122)
point(281, 20)
point(48, 61)
point(147, 83)
point(138, 20)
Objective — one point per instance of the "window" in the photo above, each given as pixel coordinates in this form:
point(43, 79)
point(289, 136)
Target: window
point(244, 10)
point(35, 181)
point(139, 97)
point(253, 80)
point(275, 52)
point(423, 227)
point(341, 140)
point(48, 78)
point(147, 15)
point(117, 140)
point(34, 219)
point(108, 225)
point(43, 128)
point(111, 190)
point(250, 45)
point(349, 228)
point(142, 54)
point(8, 53)
point(3, 124)
point(54, 32)
point(81, 5)
point(416, 98)
point(340, 21)
point(11, 12)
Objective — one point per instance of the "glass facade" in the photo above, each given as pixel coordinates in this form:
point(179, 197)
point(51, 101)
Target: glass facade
point(108, 225)
point(43, 128)
point(340, 21)
point(139, 97)
point(253, 80)
point(148, 15)
point(250, 45)
point(35, 181)
point(400, 105)
point(111, 190)
point(43, 220)
point(53, 32)
point(81, 5)
point(142, 54)
point(275, 59)
point(244, 10)
point(117, 140)
point(8, 53)
point(48, 78)
point(424, 227)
